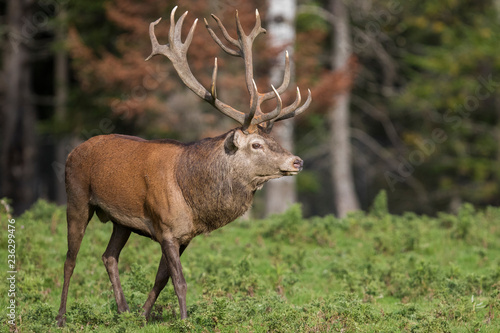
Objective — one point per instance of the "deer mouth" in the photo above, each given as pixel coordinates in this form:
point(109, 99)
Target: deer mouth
point(297, 166)
point(289, 172)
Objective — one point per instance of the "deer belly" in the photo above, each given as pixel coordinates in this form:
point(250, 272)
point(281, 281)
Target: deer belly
point(124, 217)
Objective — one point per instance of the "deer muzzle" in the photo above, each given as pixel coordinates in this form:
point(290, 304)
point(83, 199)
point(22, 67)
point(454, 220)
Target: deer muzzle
point(293, 166)
point(298, 164)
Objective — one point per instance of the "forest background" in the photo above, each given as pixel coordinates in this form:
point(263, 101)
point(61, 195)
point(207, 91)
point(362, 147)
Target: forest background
point(405, 94)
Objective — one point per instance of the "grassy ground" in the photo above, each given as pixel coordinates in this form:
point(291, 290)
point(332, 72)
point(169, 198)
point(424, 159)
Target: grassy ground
point(366, 273)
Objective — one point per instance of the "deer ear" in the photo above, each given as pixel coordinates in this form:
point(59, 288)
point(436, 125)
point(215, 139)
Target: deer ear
point(239, 138)
point(230, 145)
point(234, 141)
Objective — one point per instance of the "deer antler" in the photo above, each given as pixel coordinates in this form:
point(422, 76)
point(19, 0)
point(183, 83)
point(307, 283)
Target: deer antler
point(176, 51)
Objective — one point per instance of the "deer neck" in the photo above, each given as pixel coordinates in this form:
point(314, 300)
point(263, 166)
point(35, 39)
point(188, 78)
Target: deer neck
point(216, 193)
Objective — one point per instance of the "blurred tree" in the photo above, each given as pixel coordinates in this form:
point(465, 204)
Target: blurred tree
point(281, 193)
point(18, 145)
point(336, 67)
point(61, 91)
point(344, 190)
point(449, 104)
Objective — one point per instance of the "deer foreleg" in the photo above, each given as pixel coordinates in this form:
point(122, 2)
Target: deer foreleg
point(171, 250)
point(161, 280)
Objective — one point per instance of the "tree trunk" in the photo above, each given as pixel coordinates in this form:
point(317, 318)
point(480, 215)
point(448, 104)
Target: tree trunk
point(345, 198)
point(17, 155)
point(281, 193)
point(496, 103)
point(61, 98)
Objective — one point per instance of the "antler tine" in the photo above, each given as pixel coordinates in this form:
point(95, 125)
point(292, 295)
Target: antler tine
point(286, 75)
point(213, 89)
point(226, 35)
point(257, 29)
point(291, 108)
point(189, 37)
point(286, 79)
point(263, 117)
point(239, 28)
point(241, 34)
point(157, 48)
point(178, 28)
point(175, 49)
point(290, 111)
point(171, 31)
point(303, 107)
point(298, 111)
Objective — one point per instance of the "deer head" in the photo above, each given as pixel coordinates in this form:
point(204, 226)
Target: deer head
point(259, 157)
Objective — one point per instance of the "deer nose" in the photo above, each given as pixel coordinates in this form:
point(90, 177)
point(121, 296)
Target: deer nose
point(298, 164)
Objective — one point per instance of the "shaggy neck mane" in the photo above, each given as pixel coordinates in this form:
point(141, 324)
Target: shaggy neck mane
point(204, 167)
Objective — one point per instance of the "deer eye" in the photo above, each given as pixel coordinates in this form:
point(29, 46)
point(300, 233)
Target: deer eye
point(256, 146)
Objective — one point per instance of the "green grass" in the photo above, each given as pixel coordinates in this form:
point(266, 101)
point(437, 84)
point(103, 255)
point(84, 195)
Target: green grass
point(369, 272)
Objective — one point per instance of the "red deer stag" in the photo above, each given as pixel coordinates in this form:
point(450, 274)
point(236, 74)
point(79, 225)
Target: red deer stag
point(171, 191)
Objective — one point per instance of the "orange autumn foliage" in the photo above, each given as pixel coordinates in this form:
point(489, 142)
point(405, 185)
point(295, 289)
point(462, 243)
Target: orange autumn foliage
point(133, 88)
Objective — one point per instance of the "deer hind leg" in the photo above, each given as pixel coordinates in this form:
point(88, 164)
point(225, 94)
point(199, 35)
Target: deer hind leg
point(118, 239)
point(161, 280)
point(78, 217)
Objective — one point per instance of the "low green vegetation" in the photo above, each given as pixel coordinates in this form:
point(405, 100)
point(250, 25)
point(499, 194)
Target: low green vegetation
point(369, 272)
